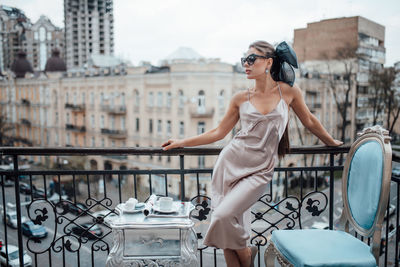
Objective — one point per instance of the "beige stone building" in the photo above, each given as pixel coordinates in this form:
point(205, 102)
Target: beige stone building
point(144, 106)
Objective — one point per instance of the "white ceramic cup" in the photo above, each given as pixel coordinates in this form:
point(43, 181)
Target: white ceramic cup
point(131, 203)
point(165, 203)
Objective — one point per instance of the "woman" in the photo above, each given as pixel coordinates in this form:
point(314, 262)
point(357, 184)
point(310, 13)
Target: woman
point(245, 166)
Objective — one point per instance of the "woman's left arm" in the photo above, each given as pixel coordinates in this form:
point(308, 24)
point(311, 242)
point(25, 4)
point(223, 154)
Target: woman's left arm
point(309, 120)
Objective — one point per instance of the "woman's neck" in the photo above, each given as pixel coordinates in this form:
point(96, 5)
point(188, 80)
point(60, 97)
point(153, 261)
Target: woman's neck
point(265, 84)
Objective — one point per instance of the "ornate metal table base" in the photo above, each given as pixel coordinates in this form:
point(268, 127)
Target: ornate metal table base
point(152, 242)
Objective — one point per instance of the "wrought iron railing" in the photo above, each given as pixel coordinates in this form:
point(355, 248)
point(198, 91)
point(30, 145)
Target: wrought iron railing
point(62, 199)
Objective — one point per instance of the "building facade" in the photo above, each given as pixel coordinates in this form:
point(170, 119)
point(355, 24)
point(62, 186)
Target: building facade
point(340, 50)
point(89, 29)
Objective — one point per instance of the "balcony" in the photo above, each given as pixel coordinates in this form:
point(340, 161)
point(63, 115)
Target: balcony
point(26, 122)
point(25, 102)
point(309, 195)
point(75, 107)
point(196, 112)
point(75, 128)
point(117, 134)
point(113, 110)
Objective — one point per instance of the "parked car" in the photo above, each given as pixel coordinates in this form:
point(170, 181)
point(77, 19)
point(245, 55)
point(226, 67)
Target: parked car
point(396, 172)
point(33, 230)
point(76, 209)
point(13, 256)
point(93, 233)
point(11, 218)
point(25, 188)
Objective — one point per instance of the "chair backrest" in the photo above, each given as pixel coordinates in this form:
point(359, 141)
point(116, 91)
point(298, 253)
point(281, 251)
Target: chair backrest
point(366, 184)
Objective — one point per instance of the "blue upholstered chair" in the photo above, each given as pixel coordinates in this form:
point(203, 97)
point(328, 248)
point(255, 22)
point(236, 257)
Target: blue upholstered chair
point(365, 190)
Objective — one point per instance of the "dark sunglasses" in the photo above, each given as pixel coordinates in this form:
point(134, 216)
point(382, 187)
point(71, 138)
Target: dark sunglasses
point(250, 59)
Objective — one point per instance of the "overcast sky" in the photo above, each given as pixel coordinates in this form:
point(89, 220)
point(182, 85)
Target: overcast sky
point(152, 29)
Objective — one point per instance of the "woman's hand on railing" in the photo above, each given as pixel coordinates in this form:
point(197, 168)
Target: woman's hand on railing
point(335, 143)
point(172, 143)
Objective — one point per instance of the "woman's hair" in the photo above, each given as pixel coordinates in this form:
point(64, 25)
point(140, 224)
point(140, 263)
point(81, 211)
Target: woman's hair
point(269, 51)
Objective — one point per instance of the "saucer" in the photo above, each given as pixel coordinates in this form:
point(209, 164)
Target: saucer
point(173, 209)
point(135, 210)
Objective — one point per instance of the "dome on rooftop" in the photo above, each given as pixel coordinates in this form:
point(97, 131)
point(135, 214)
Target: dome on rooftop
point(55, 63)
point(21, 65)
point(183, 53)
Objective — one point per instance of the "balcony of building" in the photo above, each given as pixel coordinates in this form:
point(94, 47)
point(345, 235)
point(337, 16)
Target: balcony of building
point(61, 198)
point(112, 133)
point(26, 122)
point(114, 109)
point(75, 107)
point(25, 102)
point(201, 112)
point(75, 128)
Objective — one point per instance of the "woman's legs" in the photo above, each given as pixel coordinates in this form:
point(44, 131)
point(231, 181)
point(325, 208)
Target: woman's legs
point(231, 258)
point(244, 256)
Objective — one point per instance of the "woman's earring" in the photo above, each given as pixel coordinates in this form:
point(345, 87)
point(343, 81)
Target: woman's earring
point(266, 71)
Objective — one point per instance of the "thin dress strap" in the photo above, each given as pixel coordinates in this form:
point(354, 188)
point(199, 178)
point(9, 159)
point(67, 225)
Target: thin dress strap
point(279, 87)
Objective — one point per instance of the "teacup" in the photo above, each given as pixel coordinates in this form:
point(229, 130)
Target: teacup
point(165, 203)
point(131, 203)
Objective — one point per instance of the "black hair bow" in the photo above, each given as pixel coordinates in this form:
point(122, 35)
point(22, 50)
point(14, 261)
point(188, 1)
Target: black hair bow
point(287, 58)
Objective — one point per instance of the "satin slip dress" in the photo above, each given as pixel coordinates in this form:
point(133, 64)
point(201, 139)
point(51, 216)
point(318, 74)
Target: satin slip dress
point(242, 172)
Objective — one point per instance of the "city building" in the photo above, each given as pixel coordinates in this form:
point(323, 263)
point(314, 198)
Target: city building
point(343, 51)
point(13, 26)
point(89, 29)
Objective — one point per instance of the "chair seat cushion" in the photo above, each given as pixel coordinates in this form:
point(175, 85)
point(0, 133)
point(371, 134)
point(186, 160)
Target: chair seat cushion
point(312, 247)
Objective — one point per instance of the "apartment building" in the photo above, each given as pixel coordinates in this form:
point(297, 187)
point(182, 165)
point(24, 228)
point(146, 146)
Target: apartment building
point(89, 29)
point(321, 49)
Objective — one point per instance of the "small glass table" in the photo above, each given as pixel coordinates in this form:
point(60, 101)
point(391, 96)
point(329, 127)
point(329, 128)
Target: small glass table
point(155, 240)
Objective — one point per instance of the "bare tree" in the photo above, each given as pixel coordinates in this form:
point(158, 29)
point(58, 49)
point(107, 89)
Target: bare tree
point(378, 101)
point(342, 82)
point(392, 101)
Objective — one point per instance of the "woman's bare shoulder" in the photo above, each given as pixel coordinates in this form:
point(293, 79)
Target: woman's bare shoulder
point(239, 97)
point(289, 92)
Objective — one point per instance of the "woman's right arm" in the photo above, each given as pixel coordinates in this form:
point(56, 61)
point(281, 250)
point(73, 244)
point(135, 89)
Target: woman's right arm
point(225, 126)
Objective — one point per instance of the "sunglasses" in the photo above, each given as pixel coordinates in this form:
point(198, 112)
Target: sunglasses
point(250, 59)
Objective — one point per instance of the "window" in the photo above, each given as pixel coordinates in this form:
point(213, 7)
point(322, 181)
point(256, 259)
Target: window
point(101, 98)
point(74, 98)
point(159, 99)
point(221, 100)
point(150, 126)
point(137, 99)
point(112, 123)
point(169, 127)
point(123, 123)
point(181, 99)
point(92, 121)
point(181, 128)
point(56, 138)
point(150, 99)
point(201, 102)
point(68, 118)
point(169, 99)
point(123, 99)
point(93, 141)
point(66, 97)
point(201, 127)
point(103, 142)
point(113, 143)
point(56, 118)
point(68, 141)
point(137, 125)
point(159, 128)
point(83, 97)
point(102, 121)
point(91, 98)
point(111, 100)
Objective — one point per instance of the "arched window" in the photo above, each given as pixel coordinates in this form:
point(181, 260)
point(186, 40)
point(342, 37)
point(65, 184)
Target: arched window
point(201, 102)
point(181, 99)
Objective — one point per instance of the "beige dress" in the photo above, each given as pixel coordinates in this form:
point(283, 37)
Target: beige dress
point(242, 172)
